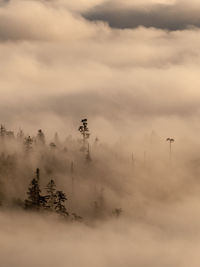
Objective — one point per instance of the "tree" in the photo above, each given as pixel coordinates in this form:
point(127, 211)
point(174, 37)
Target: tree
point(170, 140)
point(2, 131)
point(76, 217)
point(51, 196)
point(84, 130)
point(34, 198)
point(59, 205)
point(117, 212)
point(40, 137)
point(28, 141)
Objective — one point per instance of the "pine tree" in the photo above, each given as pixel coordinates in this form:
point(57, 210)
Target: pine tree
point(28, 141)
point(51, 195)
point(84, 130)
point(34, 198)
point(40, 137)
point(60, 200)
point(2, 131)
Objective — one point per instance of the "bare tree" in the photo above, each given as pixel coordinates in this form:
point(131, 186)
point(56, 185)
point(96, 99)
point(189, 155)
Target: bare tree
point(170, 140)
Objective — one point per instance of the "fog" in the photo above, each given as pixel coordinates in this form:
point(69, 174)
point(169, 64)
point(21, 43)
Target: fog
point(114, 244)
point(131, 68)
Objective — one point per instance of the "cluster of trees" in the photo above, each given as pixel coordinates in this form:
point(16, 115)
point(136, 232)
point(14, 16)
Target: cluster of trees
point(66, 161)
point(53, 201)
point(30, 143)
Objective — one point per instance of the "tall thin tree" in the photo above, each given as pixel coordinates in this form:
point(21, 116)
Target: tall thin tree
point(170, 140)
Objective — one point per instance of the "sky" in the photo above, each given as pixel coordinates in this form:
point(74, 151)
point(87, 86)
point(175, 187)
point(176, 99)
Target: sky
point(125, 65)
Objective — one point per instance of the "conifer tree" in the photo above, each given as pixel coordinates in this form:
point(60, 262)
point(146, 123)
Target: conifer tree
point(34, 198)
point(40, 137)
point(117, 212)
point(2, 131)
point(60, 206)
point(28, 143)
point(84, 130)
point(51, 195)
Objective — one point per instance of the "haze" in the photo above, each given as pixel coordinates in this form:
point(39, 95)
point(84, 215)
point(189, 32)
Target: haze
point(132, 69)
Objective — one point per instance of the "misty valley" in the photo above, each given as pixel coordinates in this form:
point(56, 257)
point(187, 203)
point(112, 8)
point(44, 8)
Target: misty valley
point(81, 191)
point(99, 133)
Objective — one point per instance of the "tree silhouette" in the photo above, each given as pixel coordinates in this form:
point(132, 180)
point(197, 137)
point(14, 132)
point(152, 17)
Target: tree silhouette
point(28, 141)
point(40, 137)
point(34, 198)
point(59, 204)
point(170, 140)
point(51, 196)
point(84, 130)
point(117, 212)
point(76, 217)
point(2, 131)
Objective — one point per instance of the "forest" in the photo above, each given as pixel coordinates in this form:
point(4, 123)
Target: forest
point(37, 176)
point(86, 180)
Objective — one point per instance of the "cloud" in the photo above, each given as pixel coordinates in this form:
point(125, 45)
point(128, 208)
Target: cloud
point(39, 20)
point(54, 63)
point(169, 15)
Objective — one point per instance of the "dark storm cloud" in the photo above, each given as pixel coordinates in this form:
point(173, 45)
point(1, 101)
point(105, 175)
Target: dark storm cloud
point(176, 16)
